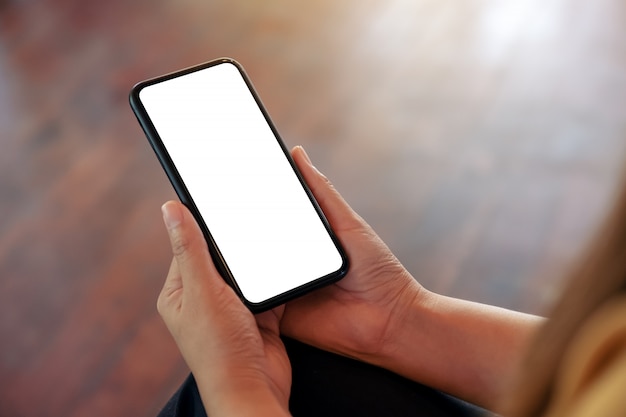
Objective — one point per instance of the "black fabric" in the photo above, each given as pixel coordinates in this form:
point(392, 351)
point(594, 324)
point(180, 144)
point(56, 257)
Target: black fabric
point(325, 384)
point(185, 402)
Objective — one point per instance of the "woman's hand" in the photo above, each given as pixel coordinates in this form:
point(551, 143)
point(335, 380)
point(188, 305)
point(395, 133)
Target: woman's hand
point(357, 316)
point(379, 314)
point(238, 360)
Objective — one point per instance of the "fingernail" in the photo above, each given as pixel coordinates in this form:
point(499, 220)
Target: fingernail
point(172, 215)
point(306, 155)
point(308, 160)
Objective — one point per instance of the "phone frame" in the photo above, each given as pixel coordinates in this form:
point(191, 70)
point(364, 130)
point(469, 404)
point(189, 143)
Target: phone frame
point(183, 194)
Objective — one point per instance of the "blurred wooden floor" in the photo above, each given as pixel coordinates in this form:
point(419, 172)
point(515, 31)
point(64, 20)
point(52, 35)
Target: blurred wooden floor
point(482, 139)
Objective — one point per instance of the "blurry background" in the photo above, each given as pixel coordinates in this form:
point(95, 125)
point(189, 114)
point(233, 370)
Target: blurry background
point(482, 139)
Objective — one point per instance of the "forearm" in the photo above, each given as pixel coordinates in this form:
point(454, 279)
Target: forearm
point(467, 349)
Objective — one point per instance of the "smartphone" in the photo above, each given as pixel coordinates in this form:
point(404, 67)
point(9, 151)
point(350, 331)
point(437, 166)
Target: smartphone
point(266, 233)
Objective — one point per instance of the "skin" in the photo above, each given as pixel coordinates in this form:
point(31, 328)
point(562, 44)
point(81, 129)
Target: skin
point(228, 350)
point(378, 314)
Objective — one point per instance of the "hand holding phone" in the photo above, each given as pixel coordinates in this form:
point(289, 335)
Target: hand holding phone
point(267, 235)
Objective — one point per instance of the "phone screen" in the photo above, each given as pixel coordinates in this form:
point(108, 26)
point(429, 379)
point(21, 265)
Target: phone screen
point(212, 135)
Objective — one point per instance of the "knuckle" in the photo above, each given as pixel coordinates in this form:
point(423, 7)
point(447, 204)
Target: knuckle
point(181, 245)
point(159, 305)
point(162, 304)
point(325, 179)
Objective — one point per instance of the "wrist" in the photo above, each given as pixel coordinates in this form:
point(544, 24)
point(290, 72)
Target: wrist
point(410, 310)
point(239, 394)
point(390, 320)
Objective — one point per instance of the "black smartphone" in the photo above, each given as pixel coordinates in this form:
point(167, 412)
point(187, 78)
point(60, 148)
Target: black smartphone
point(266, 233)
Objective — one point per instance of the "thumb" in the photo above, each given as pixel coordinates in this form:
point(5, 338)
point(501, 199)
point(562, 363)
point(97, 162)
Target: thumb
point(188, 247)
point(339, 213)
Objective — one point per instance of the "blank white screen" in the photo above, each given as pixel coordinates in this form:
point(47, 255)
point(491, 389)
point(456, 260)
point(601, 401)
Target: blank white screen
point(254, 206)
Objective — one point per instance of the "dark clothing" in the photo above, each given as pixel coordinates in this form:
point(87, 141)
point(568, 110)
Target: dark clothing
point(326, 384)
